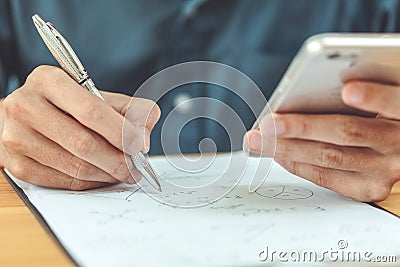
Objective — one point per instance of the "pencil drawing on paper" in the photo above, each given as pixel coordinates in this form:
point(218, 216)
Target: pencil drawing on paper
point(284, 192)
point(119, 191)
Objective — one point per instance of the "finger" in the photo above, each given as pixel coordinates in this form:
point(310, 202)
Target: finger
point(349, 184)
point(387, 74)
point(336, 129)
point(119, 102)
point(373, 97)
point(362, 160)
point(143, 110)
point(33, 172)
point(79, 141)
point(135, 110)
point(48, 153)
point(62, 91)
point(139, 108)
point(260, 144)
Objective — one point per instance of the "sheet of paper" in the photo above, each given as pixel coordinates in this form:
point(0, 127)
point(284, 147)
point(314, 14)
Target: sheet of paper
point(123, 226)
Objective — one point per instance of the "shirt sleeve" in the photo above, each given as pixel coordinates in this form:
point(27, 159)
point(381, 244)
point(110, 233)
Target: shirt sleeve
point(6, 68)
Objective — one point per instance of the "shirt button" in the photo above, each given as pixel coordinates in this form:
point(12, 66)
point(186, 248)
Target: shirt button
point(182, 103)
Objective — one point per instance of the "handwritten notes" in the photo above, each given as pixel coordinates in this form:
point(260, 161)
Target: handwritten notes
point(122, 226)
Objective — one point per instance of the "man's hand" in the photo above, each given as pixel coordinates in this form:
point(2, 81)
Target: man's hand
point(354, 156)
point(57, 134)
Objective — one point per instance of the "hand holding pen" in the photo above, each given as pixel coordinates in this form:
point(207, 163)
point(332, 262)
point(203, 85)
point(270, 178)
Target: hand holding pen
point(57, 134)
point(71, 64)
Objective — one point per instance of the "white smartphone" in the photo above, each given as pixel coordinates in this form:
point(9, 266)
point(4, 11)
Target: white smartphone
point(315, 78)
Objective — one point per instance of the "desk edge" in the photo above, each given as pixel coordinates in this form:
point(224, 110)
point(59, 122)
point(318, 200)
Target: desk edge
point(37, 215)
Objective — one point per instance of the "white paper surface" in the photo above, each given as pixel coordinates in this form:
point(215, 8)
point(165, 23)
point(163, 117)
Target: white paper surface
point(123, 226)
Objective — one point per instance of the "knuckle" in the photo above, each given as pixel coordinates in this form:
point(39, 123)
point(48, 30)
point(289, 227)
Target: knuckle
point(392, 165)
point(375, 192)
point(18, 169)
point(10, 101)
point(43, 75)
point(282, 149)
point(79, 168)
point(120, 170)
point(319, 176)
point(43, 69)
point(8, 140)
point(330, 156)
point(35, 77)
point(39, 74)
point(77, 185)
point(13, 142)
point(83, 143)
point(15, 106)
point(293, 167)
point(348, 131)
point(46, 70)
point(303, 127)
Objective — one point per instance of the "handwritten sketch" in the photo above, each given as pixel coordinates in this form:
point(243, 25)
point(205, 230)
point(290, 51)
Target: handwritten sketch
point(284, 192)
point(283, 210)
point(184, 189)
point(120, 191)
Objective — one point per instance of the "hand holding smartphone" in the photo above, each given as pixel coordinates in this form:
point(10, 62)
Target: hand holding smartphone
point(314, 80)
point(310, 132)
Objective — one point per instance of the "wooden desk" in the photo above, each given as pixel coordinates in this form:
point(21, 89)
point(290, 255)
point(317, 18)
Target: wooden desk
point(24, 242)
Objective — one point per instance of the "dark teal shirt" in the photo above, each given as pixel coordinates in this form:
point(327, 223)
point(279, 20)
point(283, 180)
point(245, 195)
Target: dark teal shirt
point(122, 43)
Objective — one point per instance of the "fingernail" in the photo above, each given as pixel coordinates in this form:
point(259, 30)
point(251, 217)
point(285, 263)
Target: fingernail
point(131, 180)
point(279, 126)
point(255, 142)
point(136, 176)
point(134, 147)
point(355, 95)
point(146, 135)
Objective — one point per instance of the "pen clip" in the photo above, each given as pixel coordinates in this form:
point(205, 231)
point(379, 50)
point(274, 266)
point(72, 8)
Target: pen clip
point(68, 50)
point(61, 49)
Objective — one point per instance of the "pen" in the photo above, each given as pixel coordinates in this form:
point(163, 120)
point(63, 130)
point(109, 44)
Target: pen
point(68, 60)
